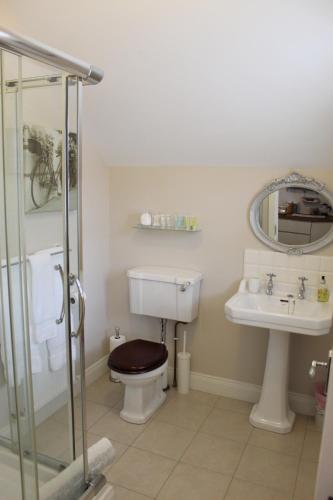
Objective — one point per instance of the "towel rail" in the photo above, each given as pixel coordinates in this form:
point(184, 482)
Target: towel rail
point(16, 260)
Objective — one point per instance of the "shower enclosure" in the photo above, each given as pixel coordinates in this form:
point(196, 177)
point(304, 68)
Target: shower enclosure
point(42, 384)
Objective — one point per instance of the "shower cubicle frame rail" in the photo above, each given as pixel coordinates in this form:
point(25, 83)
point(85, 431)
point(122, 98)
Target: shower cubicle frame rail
point(29, 47)
point(85, 74)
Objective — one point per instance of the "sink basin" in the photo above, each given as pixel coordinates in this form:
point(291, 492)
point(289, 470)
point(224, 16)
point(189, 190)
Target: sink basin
point(307, 316)
point(282, 315)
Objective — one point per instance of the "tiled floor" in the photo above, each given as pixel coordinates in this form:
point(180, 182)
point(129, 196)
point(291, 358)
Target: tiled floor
point(197, 447)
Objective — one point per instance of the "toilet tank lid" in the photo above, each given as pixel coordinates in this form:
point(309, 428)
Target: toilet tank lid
point(165, 274)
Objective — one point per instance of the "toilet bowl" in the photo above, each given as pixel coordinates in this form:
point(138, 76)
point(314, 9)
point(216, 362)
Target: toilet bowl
point(140, 366)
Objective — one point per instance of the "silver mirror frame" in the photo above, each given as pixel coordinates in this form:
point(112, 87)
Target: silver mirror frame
point(292, 180)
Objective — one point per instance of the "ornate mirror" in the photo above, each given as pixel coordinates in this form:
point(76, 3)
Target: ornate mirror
point(293, 214)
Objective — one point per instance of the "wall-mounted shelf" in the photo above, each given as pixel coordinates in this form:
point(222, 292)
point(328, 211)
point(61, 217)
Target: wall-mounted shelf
point(165, 228)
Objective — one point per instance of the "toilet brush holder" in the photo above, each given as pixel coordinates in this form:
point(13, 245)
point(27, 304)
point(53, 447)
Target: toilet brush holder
point(183, 368)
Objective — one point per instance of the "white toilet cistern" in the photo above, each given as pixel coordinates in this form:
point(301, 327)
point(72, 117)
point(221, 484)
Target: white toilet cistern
point(168, 294)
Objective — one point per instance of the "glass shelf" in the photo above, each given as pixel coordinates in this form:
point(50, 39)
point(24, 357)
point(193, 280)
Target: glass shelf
point(160, 228)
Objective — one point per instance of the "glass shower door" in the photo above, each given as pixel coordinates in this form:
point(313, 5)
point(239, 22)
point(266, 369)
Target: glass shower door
point(43, 424)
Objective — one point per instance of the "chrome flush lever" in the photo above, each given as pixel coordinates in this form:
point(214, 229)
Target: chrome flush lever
point(185, 286)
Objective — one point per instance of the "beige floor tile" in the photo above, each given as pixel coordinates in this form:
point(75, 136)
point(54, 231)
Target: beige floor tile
point(214, 453)
point(105, 392)
point(194, 483)
point(311, 446)
point(114, 427)
point(268, 468)
point(183, 412)
point(306, 480)
point(312, 426)
point(234, 405)
point(125, 494)
point(141, 471)
point(119, 406)
point(94, 412)
point(290, 443)
point(244, 490)
point(199, 397)
point(52, 438)
point(165, 439)
point(228, 424)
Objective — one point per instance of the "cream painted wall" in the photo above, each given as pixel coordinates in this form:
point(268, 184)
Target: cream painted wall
point(220, 197)
point(198, 82)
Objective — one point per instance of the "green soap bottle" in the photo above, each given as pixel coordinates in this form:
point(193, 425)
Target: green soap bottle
point(323, 293)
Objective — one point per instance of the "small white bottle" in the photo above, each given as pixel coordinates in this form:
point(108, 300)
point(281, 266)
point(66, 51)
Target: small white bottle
point(145, 219)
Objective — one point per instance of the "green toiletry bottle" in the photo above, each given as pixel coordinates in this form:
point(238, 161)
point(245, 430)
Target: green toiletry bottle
point(323, 293)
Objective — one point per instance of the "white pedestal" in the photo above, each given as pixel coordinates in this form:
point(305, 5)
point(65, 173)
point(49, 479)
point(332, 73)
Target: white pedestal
point(272, 413)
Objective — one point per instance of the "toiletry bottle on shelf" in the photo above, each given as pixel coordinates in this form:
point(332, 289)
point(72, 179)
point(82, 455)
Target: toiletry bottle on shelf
point(323, 293)
point(145, 219)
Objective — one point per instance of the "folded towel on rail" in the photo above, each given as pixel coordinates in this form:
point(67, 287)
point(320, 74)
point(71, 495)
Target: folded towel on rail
point(44, 305)
point(56, 349)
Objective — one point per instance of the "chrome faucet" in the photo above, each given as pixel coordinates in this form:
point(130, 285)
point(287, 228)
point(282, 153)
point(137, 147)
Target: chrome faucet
point(301, 291)
point(270, 284)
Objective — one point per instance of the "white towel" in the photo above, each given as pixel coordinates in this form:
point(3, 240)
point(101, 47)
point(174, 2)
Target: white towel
point(44, 306)
point(6, 356)
point(68, 484)
point(36, 359)
point(5, 336)
point(56, 349)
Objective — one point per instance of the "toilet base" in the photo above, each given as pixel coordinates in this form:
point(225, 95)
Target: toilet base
point(142, 418)
point(143, 395)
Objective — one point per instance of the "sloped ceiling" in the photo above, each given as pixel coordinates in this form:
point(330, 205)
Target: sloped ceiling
point(198, 82)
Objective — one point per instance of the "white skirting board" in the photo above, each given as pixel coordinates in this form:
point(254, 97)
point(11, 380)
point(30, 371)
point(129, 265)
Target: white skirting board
point(300, 403)
point(97, 369)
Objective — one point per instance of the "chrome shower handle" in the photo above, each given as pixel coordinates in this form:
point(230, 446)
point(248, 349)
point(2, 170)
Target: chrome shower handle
point(58, 267)
point(74, 279)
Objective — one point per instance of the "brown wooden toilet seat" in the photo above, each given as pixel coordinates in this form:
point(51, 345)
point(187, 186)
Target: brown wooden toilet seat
point(137, 356)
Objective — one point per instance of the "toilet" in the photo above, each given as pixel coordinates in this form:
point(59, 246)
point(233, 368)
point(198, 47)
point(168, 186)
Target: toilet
point(141, 365)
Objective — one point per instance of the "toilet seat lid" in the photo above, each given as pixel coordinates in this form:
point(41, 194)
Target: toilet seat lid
point(137, 356)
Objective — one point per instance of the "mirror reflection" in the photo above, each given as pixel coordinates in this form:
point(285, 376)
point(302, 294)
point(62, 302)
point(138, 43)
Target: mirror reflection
point(295, 215)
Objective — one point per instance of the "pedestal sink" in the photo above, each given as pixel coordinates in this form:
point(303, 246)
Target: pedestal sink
point(282, 315)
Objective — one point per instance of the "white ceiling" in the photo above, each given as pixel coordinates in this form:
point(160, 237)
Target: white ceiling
point(198, 82)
